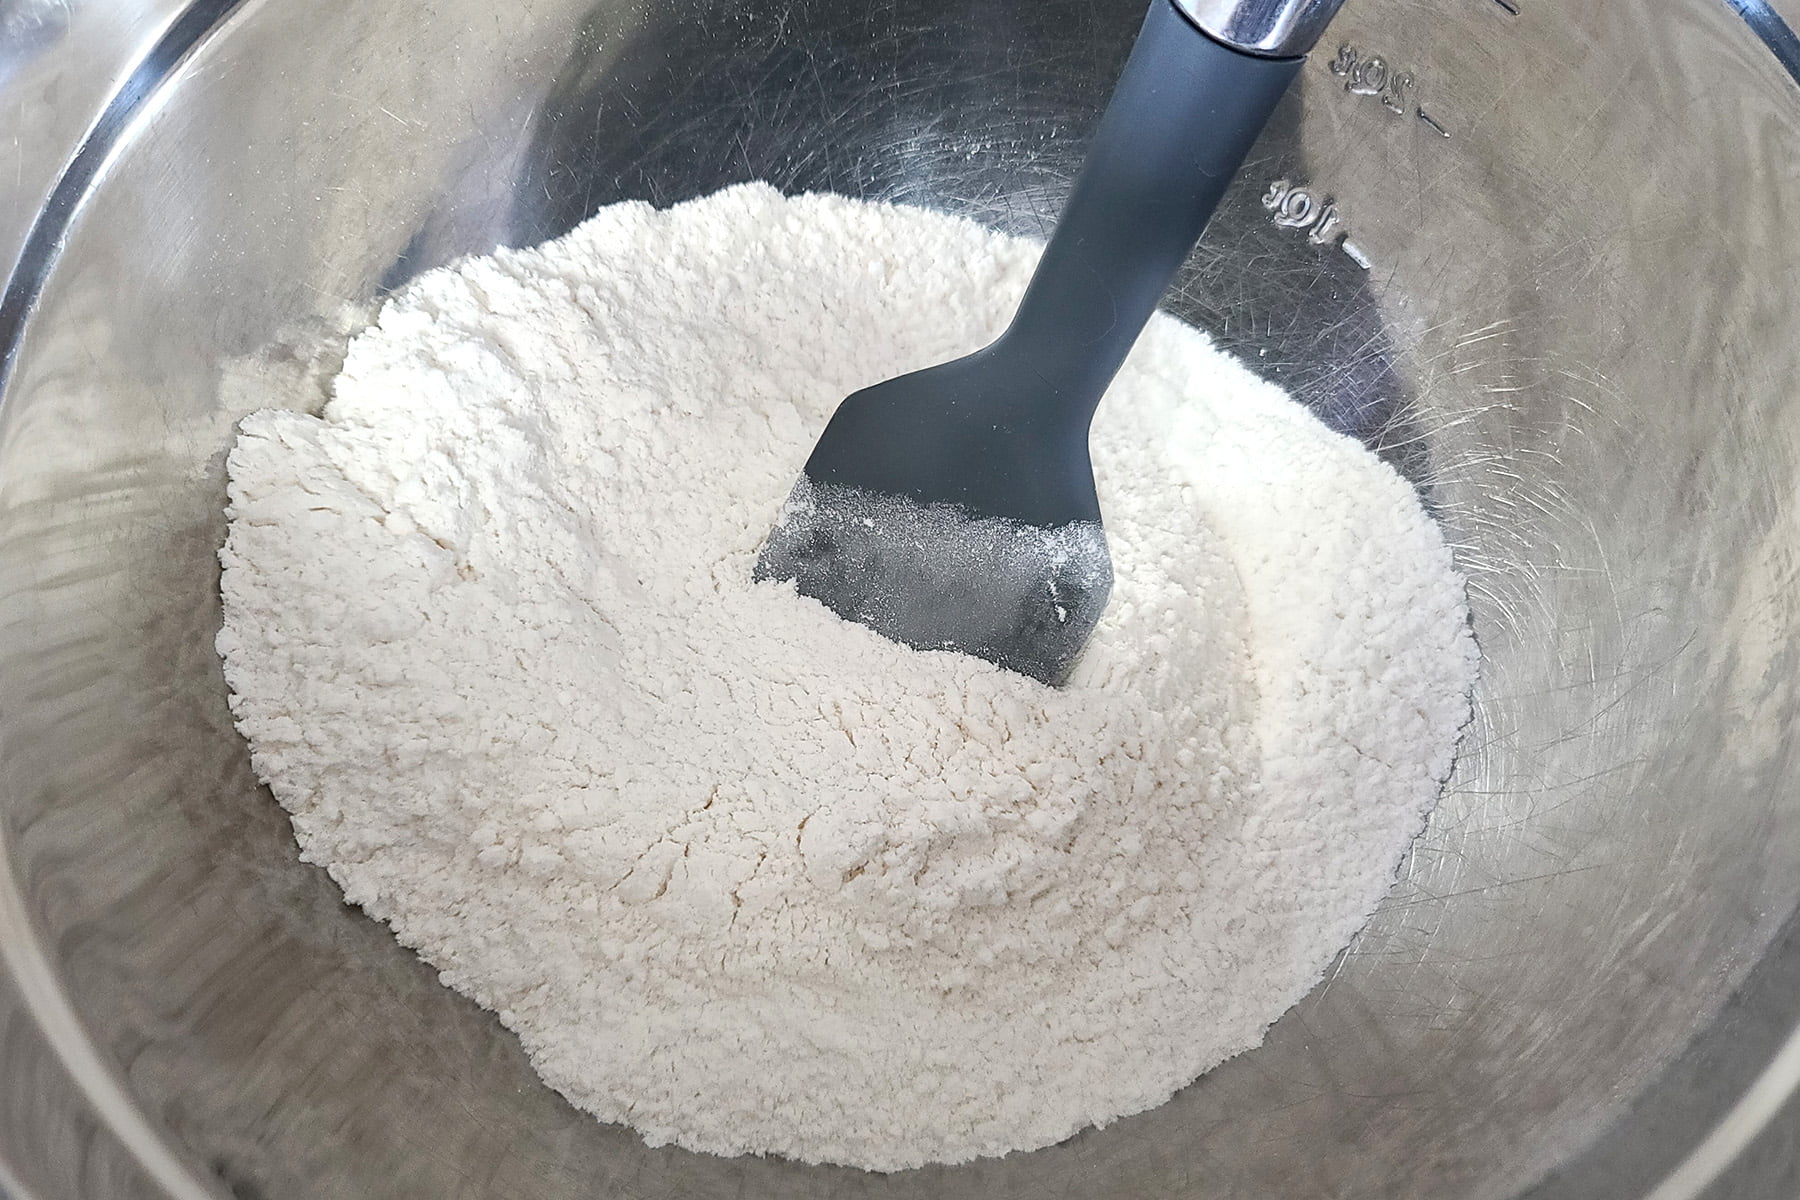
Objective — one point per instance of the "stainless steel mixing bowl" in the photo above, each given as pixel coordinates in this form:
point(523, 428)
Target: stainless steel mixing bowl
point(1576, 329)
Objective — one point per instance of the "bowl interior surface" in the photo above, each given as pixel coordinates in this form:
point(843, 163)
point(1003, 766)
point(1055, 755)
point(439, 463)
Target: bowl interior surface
point(1574, 332)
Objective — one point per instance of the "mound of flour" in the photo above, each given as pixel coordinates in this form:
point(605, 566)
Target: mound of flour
point(749, 878)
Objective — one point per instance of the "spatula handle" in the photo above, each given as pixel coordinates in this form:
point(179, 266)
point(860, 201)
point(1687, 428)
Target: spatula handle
point(1271, 28)
point(1184, 114)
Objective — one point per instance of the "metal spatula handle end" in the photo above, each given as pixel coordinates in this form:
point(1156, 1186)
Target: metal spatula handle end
point(1266, 28)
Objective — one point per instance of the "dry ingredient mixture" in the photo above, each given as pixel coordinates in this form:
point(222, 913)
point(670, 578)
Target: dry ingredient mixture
point(745, 876)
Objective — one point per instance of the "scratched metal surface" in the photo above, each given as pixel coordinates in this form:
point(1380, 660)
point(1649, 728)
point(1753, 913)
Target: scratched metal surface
point(1575, 332)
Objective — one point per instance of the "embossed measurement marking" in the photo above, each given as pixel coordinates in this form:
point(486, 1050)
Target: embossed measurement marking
point(1372, 75)
point(1294, 206)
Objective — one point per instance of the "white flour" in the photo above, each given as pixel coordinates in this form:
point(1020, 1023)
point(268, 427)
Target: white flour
point(750, 878)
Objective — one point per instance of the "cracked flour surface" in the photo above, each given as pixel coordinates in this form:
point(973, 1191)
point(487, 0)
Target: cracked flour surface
point(747, 877)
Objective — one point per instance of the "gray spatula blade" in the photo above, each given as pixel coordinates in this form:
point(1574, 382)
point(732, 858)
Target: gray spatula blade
point(936, 577)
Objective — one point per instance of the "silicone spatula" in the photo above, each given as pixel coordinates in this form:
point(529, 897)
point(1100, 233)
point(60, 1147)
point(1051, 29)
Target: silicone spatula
point(954, 508)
